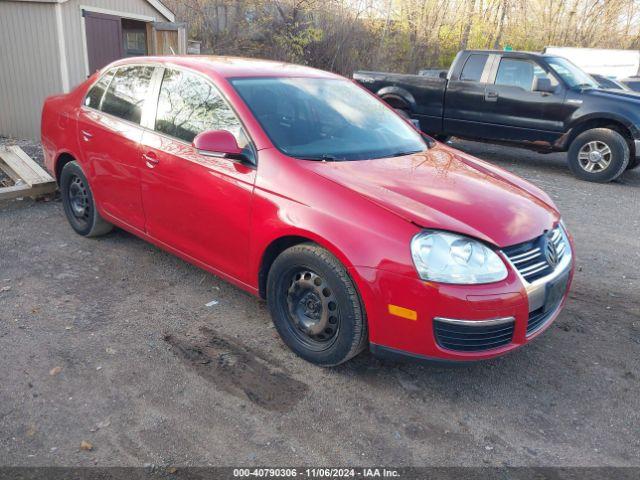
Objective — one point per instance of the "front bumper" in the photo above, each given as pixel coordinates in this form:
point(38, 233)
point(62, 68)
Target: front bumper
point(509, 314)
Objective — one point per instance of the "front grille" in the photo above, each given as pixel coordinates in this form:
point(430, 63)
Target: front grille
point(472, 338)
point(539, 317)
point(532, 258)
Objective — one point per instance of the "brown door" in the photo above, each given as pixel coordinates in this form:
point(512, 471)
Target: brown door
point(104, 39)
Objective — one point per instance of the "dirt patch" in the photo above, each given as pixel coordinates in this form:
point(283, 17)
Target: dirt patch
point(238, 371)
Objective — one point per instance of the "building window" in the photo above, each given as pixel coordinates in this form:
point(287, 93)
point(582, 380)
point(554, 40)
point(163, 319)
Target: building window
point(135, 38)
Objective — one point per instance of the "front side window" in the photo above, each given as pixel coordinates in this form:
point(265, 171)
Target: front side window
point(127, 93)
point(326, 119)
point(189, 104)
point(515, 73)
point(473, 68)
point(96, 93)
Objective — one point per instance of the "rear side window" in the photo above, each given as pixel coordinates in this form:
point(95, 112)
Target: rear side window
point(94, 97)
point(473, 67)
point(515, 73)
point(189, 105)
point(127, 92)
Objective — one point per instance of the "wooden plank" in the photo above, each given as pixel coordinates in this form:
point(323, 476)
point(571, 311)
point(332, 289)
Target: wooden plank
point(14, 191)
point(15, 163)
point(10, 173)
point(30, 178)
point(24, 190)
point(41, 172)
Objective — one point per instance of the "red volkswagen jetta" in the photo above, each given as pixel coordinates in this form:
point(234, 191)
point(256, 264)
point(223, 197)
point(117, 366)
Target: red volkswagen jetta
point(299, 186)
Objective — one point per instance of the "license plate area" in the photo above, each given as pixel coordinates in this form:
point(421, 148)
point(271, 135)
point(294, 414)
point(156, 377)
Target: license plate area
point(555, 290)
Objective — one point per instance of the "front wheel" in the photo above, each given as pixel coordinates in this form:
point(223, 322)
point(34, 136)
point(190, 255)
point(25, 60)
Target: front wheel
point(315, 306)
point(598, 155)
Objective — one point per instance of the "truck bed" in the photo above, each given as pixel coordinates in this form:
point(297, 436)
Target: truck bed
point(425, 94)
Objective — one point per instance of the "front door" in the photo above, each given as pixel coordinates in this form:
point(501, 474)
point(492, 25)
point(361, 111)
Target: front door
point(197, 204)
point(110, 133)
point(516, 112)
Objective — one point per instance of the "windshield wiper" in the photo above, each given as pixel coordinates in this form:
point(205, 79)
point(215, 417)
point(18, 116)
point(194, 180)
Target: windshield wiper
point(324, 158)
point(402, 154)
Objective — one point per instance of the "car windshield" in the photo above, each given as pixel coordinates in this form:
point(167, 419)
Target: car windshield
point(326, 119)
point(571, 74)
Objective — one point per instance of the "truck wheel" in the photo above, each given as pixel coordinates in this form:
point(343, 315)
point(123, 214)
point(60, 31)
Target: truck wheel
point(598, 155)
point(315, 306)
point(403, 113)
point(79, 205)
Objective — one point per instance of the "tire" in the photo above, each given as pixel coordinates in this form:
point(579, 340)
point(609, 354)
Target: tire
point(404, 113)
point(605, 167)
point(315, 306)
point(633, 162)
point(78, 203)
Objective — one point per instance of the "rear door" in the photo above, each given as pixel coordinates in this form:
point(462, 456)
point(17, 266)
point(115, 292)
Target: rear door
point(465, 105)
point(199, 205)
point(514, 111)
point(109, 136)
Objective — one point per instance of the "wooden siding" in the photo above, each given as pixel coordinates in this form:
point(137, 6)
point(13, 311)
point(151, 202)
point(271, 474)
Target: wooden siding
point(29, 65)
point(32, 37)
point(74, 34)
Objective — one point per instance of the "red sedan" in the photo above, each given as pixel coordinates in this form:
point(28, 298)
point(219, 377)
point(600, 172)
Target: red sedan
point(302, 188)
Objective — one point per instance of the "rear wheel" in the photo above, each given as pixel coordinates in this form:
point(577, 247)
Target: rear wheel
point(404, 113)
point(315, 306)
point(79, 205)
point(598, 155)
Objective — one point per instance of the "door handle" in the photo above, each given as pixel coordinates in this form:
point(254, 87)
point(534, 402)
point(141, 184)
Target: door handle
point(86, 135)
point(150, 159)
point(491, 96)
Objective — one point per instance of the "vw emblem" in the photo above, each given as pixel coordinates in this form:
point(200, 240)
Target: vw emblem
point(550, 253)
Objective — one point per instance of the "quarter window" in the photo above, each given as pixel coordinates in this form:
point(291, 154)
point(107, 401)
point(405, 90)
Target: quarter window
point(94, 97)
point(473, 68)
point(189, 105)
point(127, 93)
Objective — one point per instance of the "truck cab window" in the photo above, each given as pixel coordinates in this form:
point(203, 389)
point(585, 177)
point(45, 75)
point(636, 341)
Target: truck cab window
point(515, 73)
point(473, 68)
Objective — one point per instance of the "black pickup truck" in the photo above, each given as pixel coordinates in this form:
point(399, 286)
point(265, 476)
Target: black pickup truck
point(541, 102)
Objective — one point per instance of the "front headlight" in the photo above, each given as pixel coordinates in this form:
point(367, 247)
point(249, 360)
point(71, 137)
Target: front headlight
point(449, 258)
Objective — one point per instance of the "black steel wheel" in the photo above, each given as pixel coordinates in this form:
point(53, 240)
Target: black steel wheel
point(315, 306)
point(79, 205)
point(78, 199)
point(312, 310)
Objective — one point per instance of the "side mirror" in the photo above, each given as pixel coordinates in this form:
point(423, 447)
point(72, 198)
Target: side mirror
point(443, 74)
point(543, 84)
point(218, 143)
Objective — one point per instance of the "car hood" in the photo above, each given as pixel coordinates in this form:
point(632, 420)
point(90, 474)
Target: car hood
point(442, 188)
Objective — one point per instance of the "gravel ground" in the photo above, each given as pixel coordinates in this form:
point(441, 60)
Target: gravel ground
point(109, 342)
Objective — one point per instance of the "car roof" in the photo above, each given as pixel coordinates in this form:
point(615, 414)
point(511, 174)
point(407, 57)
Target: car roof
point(231, 67)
